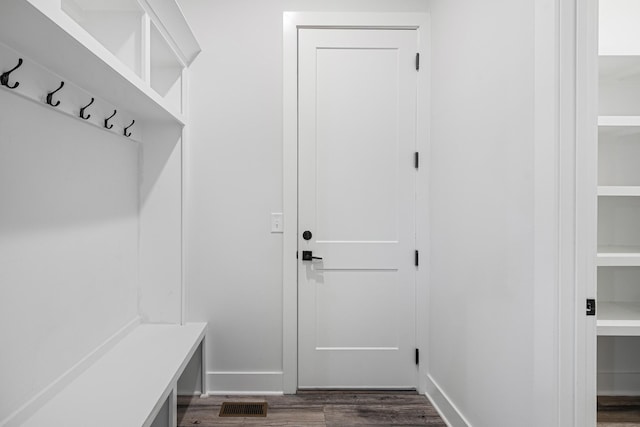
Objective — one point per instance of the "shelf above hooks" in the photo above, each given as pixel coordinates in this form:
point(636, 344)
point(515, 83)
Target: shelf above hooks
point(93, 67)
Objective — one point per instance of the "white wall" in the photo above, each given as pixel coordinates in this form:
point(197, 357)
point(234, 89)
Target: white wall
point(482, 236)
point(233, 262)
point(482, 197)
point(68, 243)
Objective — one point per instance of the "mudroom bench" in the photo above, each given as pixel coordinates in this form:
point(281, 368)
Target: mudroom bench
point(134, 384)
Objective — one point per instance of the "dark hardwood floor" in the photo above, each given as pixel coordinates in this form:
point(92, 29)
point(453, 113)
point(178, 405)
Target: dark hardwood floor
point(618, 411)
point(314, 408)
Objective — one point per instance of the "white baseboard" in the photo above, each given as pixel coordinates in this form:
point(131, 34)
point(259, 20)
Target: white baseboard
point(445, 407)
point(244, 382)
point(619, 383)
point(25, 411)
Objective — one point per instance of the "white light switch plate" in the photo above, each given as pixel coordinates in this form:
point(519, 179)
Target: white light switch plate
point(276, 223)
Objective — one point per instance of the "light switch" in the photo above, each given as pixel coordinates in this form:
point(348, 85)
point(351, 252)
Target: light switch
point(276, 223)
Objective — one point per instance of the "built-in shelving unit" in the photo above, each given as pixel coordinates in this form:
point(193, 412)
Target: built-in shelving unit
point(618, 257)
point(618, 207)
point(113, 49)
point(618, 195)
point(95, 184)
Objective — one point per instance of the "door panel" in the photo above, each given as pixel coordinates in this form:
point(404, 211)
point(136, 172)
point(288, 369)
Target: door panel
point(357, 121)
point(368, 325)
point(363, 206)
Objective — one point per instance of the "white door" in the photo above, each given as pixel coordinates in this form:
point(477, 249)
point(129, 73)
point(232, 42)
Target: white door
point(357, 139)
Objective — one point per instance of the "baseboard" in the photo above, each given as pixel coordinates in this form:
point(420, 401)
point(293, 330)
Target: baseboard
point(619, 383)
point(244, 382)
point(25, 411)
point(445, 407)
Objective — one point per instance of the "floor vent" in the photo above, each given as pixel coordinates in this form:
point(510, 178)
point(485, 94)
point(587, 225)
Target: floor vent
point(243, 409)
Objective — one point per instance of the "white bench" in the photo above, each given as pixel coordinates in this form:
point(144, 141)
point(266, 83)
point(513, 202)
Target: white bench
point(129, 385)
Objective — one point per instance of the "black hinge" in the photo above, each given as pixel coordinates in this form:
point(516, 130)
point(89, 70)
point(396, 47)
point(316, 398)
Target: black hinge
point(416, 160)
point(296, 254)
point(591, 307)
point(417, 356)
point(417, 61)
point(417, 260)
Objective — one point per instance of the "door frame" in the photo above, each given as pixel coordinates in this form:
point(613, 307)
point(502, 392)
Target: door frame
point(565, 183)
point(292, 22)
point(586, 211)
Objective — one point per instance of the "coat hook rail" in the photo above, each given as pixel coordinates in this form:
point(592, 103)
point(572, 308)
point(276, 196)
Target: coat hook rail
point(127, 128)
point(50, 96)
point(4, 78)
point(106, 121)
point(84, 108)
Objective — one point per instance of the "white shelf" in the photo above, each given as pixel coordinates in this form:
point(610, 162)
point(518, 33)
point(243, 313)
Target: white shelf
point(72, 53)
point(619, 121)
point(619, 190)
point(618, 256)
point(618, 318)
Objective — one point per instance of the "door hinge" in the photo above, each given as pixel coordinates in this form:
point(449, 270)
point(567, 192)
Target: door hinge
point(591, 307)
point(296, 254)
point(417, 356)
point(417, 259)
point(416, 160)
point(417, 61)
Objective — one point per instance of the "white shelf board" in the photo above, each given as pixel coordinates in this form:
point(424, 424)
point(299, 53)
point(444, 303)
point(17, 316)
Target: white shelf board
point(619, 121)
point(619, 190)
point(618, 318)
point(618, 256)
point(126, 386)
point(64, 47)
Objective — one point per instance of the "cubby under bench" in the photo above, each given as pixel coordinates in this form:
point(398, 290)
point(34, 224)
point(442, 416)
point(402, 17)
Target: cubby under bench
point(131, 384)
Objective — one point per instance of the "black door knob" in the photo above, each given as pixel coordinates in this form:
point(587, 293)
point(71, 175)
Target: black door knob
point(307, 235)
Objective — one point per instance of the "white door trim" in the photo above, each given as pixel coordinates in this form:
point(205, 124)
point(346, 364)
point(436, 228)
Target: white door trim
point(565, 211)
point(292, 21)
point(586, 217)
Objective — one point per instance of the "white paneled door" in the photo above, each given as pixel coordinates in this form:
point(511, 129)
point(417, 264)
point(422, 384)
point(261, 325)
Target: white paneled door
point(357, 181)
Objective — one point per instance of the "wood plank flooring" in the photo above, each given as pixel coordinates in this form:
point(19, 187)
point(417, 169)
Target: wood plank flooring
point(316, 409)
point(618, 411)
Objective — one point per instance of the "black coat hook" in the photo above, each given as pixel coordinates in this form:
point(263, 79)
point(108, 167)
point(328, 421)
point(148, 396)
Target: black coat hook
point(4, 78)
point(106, 121)
point(50, 96)
point(84, 108)
point(127, 128)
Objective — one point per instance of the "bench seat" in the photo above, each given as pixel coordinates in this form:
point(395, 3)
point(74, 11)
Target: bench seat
point(128, 385)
